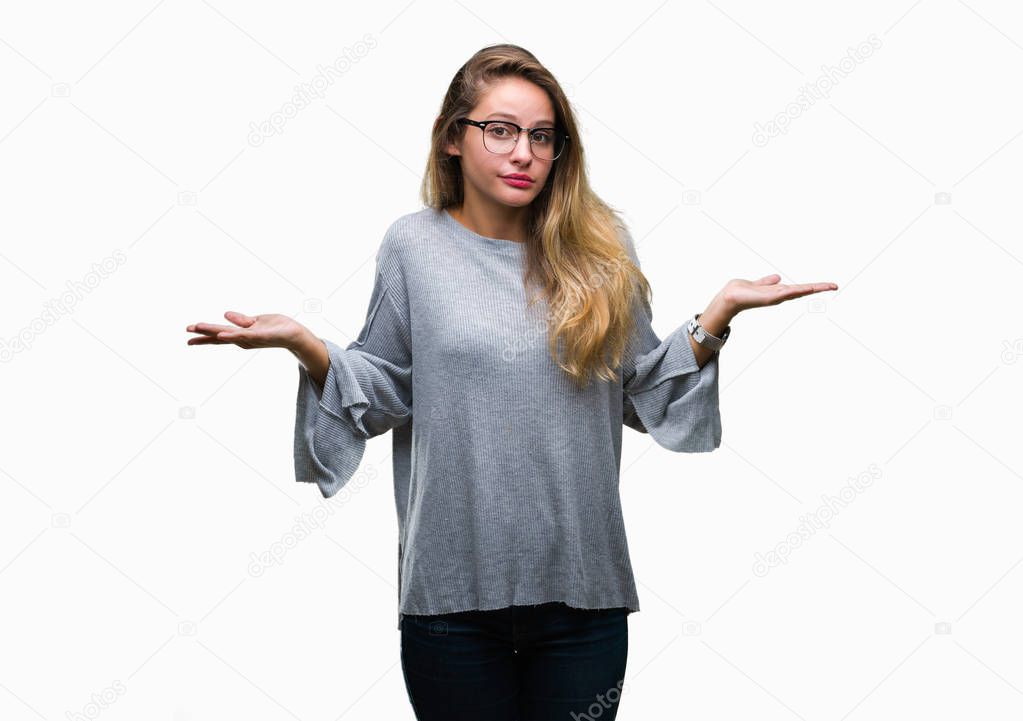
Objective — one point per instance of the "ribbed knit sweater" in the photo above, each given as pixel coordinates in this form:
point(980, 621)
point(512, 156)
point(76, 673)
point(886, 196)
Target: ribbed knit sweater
point(506, 475)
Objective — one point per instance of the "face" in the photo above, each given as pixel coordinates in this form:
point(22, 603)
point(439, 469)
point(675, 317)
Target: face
point(519, 101)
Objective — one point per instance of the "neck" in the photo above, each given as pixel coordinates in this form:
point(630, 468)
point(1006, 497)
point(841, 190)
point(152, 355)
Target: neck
point(494, 220)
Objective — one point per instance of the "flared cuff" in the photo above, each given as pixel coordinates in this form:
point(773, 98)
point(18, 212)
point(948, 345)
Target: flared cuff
point(330, 438)
point(674, 398)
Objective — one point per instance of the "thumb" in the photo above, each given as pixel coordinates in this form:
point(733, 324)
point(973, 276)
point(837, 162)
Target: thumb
point(239, 318)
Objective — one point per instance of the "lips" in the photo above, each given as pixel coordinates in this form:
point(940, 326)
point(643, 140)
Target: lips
point(519, 183)
point(518, 176)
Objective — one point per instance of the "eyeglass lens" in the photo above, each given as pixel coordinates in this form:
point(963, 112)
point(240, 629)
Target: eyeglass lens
point(502, 137)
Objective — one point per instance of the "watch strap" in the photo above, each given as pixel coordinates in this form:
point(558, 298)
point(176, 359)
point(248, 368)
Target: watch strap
point(701, 336)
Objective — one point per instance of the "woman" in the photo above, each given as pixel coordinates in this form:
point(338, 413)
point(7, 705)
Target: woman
point(512, 312)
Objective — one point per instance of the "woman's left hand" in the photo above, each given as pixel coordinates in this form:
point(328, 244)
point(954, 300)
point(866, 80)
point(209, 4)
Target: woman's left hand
point(744, 294)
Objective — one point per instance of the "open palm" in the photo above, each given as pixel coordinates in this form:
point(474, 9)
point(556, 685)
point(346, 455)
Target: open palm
point(744, 294)
point(270, 330)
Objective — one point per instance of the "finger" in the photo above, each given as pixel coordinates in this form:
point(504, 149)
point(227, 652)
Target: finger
point(221, 337)
point(210, 328)
point(768, 279)
point(808, 288)
point(788, 292)
point(814, 287)
point(239, 318)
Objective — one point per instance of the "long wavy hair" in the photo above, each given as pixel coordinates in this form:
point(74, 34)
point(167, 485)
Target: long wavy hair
point(575, 252)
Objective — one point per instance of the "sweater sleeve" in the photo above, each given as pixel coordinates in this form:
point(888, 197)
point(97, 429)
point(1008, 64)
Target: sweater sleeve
point(665, 393)
point(367, 391)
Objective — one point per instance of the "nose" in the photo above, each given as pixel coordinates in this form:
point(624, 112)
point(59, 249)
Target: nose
point(522, 152)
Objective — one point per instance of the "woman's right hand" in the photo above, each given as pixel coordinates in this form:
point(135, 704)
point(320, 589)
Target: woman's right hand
point(270, 330)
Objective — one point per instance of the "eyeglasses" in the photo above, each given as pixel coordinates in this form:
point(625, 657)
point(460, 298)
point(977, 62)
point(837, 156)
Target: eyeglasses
point(501, 136)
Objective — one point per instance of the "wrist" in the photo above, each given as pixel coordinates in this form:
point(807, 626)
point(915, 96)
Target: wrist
point(717, 316)
point(303, 344)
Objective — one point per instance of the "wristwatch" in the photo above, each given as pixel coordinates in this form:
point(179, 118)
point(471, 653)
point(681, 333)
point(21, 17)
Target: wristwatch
point(701, 336)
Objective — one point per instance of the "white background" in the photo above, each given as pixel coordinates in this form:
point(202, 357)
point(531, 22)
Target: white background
point(140, 477)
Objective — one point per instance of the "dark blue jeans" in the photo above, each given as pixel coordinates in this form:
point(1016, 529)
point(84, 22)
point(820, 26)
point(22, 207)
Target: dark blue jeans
point(521, 663)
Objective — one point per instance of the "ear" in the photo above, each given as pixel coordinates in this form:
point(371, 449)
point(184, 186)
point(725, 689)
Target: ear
point(449, 148)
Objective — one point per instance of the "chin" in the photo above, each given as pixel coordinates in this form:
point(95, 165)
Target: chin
point(516, 199)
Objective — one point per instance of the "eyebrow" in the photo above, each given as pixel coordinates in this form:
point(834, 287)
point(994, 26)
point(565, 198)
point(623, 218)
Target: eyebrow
point(512, 117)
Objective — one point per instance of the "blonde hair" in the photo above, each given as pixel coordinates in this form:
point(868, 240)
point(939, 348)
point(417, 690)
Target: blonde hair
point(576, 254)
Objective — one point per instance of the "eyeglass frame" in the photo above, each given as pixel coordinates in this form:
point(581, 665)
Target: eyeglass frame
point(482, 125)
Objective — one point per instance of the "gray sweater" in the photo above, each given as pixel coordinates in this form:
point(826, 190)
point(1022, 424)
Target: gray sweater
point(506, 479)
